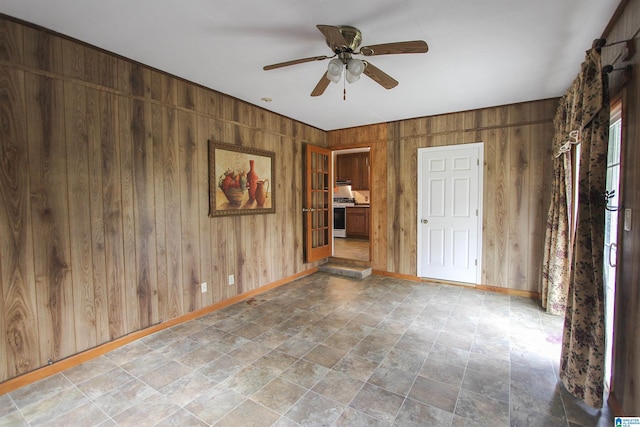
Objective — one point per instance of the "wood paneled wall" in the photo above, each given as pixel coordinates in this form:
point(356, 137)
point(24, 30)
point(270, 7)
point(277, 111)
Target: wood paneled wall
point(104, 198)
point(626, 363)
point(517, 142)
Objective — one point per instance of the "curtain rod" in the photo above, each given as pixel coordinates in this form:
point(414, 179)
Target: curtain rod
point(609, 69)
point(627, 52)
point(600, 43)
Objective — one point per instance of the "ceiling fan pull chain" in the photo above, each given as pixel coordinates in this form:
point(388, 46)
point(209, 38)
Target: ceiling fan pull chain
point(344, 90)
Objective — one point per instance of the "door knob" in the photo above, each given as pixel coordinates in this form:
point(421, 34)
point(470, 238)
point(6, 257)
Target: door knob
point(424, 221)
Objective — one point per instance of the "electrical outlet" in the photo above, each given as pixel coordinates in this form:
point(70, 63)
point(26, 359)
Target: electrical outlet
point(203, 287)
point(232, 280)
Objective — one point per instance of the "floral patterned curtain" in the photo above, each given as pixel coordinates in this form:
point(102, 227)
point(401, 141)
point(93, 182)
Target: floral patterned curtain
point(583, 342)
point(556, 261)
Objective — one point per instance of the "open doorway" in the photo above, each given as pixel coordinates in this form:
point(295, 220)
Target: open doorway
point(611, 232)
point(351, 204)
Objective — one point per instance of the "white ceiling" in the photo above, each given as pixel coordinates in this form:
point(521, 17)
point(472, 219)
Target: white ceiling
point(481, 52)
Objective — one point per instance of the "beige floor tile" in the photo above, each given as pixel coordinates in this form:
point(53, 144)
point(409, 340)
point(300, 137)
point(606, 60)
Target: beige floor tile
point(326, 350)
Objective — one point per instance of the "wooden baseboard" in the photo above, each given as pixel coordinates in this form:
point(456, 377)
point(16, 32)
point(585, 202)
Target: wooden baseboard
point(92, 353)
point(509, 291)
point(396, 275)
point(498, 289)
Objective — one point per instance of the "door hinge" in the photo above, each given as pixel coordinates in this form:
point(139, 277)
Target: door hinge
point(478, 162)
point(476, 263)
point(476, 212)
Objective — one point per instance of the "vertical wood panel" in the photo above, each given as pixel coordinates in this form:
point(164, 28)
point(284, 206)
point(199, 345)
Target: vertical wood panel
point(189, 211)
point(50, 217)
point(143, 218)
point(139, 76)
point(271, 222)
point(221, 254)
point(393, 231)
point(160, 226)
point(123, 75)
point(77, 157)
point(42, 50)
point(125, 139)
point(217, 233)
point(489, 206)
point(100, 291)
point(519, 241)
point(186, 95)
point(112, 214)
point(171, 173)
point(540, 172)
point(234, 264)
point(72, 59)
point(500, 277)
point(11, 42)
point(293, 200)
point(379, 205)
point(409, 205)
point(18, 319)
point(100, 68)
point(204, 222)
point(285, 229)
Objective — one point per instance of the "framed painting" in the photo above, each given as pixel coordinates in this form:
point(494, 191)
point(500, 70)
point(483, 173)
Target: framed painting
point(240, 180)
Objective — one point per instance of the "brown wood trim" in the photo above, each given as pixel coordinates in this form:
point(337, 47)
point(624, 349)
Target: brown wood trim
point(508, 291)
point(396, 275)
point(474, 130)
point(615, 406)
point(77, 359)
point(615, 18)
point(366, 144)
point(489, 288)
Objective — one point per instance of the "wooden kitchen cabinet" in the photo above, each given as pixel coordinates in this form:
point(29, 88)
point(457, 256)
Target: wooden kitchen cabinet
point(358, 222)
point(353, 167)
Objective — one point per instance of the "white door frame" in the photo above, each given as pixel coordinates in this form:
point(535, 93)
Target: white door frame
point(420, 215)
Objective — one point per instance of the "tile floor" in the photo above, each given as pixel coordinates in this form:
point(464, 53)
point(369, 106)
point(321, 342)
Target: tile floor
point(326, 351)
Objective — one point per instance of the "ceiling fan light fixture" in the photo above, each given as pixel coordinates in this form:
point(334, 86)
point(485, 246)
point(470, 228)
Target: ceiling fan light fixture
point(334, 70)
point(355, 67)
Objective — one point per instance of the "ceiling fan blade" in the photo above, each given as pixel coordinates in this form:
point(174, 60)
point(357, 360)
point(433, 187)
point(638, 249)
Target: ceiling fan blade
point(415, 46)
point(380, 77)
point(294, 62)
point(333, 35)
point(321, 86)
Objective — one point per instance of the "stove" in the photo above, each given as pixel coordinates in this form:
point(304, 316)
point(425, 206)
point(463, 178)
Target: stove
point(340, 205)
point(342, 202)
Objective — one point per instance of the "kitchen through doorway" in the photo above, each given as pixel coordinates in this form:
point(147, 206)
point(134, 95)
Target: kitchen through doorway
point(351, 204)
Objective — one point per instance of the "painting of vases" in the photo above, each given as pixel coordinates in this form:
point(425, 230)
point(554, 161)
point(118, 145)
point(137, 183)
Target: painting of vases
point(240, 180)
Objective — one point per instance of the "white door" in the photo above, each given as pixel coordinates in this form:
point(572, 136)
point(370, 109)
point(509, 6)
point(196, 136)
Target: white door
point(450, 212)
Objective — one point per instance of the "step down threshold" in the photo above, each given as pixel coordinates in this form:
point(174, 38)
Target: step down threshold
point(354, 271)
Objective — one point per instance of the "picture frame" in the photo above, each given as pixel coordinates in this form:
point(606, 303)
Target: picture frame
point(241, 180)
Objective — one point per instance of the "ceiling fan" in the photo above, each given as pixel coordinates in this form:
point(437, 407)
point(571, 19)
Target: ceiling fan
point(344, 41)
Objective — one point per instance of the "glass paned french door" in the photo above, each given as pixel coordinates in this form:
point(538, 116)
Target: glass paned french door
point(317, 203)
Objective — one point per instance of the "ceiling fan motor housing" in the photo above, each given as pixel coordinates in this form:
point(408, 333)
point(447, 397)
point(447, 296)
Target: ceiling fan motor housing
point(351, 35)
